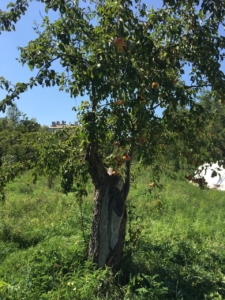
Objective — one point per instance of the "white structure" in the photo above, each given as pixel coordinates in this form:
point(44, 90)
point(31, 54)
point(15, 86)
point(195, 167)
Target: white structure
point(214, 175)
point(57, 125)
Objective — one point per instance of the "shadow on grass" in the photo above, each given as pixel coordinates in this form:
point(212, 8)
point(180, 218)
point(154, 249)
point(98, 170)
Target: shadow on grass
point(21, 241)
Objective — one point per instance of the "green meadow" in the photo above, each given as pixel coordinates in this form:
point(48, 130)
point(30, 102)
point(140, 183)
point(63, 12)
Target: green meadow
point(175, 244)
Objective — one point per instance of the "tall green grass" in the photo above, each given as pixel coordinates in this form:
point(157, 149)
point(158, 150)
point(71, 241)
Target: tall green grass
point(175, 244)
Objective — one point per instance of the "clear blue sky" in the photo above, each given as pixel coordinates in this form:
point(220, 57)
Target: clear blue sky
point(44, 104)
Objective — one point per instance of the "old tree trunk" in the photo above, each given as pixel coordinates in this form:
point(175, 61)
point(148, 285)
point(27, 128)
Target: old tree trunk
point(109, 213)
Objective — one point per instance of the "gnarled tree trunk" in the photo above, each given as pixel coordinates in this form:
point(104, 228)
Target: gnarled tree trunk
point(109, 214)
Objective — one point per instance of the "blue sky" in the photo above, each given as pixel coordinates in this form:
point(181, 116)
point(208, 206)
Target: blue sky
point(44, 104)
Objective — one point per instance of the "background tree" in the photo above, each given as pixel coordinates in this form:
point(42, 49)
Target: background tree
point(17, 143)
point(215, 128)
point(14, 115)
point(129, 64)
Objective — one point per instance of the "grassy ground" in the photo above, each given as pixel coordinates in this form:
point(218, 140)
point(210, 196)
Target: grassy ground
point(175, 246)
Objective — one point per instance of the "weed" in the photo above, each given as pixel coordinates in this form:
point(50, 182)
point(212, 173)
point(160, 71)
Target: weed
point(174, 246)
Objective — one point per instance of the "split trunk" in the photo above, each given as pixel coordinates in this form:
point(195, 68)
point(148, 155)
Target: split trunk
point(109, 213)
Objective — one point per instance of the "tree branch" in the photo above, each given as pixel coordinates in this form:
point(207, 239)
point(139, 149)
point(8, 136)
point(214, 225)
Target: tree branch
point(127, 179)
point(196, 86)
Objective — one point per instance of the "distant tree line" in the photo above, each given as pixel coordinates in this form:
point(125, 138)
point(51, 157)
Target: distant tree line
point(17, 137)
point(210, 144)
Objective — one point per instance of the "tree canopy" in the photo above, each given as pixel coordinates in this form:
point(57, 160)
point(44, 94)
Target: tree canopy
point(156, 46)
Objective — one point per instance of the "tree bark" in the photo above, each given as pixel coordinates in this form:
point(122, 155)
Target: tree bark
point(109, 213)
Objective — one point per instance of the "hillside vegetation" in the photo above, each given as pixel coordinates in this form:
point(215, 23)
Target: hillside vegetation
point(174, 244)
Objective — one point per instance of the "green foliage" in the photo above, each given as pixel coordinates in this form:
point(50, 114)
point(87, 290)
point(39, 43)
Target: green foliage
point(62, 153)
point(215, 128)
point(17, 150)
point(129, 61)
point(17, 137)
point(14, 115)
point(176, 252)
point(156, 49)
point(145, 72)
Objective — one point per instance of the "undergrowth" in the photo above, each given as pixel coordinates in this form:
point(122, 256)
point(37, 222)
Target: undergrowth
point(174, 246)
